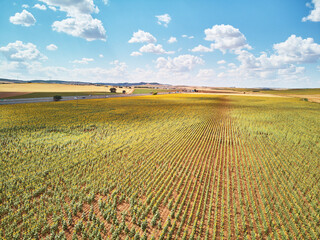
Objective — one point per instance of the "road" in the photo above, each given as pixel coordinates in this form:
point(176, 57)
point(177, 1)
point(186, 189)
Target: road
point(66, 98)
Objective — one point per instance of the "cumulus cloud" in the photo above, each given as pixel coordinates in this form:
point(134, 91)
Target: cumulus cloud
point(314, 15)
point(281, 65)
point(117, 71)
point(101, 56)
point(226, 37)
point(25, 6)
point(201, 48)
point(172, 40)
point(105, 2)
point(221, 62)
point(164, 19)
point(83, 61)
point(135, 54)
point(206, 74)
point(20, 52)
point(297, 50)
point(41, 7)
point(186, 36)
point(53, 8)
point(83, 26)
point(79, 23)
point(294, 50)
point(73, 7)
point(291, 70)
point(152, 48)
point(141, 37)
point(52, 47)
point(24, 18)
point(182, 63)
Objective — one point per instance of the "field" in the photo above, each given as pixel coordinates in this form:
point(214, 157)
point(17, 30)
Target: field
point(150, 90)
point(305, 91)
point(30, 90)
point(177, 166)
point(306, 94)
point(51, 94)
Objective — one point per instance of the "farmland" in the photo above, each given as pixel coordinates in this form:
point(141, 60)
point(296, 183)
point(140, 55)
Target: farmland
point(177, 166)
point(36, 90)
point(63, 94)
point(150, 90)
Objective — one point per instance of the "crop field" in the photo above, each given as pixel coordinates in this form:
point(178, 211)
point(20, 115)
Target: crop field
point(49, 87)
point(176, 166)
point(305, 91)
point(51, 94)
point(35, 90)
point(150, 90)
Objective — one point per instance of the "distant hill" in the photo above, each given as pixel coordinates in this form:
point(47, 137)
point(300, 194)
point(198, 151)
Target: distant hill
point(125, 84)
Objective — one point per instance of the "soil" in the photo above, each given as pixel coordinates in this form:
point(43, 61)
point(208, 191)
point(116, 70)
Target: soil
point(12, 94)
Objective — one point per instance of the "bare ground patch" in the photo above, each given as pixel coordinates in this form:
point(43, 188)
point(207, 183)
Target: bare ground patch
point(12, 94)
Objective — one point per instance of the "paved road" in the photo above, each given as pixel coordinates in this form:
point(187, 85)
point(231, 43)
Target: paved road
point(67, 98)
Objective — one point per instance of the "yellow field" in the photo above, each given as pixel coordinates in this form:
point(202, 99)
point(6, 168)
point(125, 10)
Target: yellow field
point(47, 87)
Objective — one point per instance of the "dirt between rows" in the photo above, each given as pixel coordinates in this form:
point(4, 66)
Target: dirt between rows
point(12, 94)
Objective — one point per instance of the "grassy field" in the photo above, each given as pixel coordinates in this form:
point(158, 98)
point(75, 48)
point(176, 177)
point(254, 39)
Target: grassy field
point(161, 167)
point(48, 87)
point(306, 91)
point(150, 90)
point(31, 90)
point(51, 94)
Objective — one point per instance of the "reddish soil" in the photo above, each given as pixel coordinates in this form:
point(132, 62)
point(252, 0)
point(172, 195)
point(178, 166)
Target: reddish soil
point(12, 94)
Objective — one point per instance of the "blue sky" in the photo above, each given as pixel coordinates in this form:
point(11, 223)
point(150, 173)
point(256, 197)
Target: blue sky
point(219, 43)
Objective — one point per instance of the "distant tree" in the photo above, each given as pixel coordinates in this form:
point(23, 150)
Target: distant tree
point(124, 91)
point(57, 98)
point(154, 93)
point(113, 90)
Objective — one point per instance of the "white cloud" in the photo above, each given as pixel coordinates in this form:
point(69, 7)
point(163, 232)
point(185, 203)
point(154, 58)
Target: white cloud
point(53, 8)
point(226, 37)
point(79, 23)
point(163, 19)
point(25, 6)
point(221, 62)
point(172, 40)
point(52, 47)
point(152, 48)
point(232, 65)
point(41, 7)
point(206, 74)
point(141, 37)
point(294, 50)
point(73, 7)
point(186, 36)
point(135, 54)
point(24, 18)
point(314, 15)
point(182, 63)
point(83, 26)
point(279, 67)
point(83, 61)
point(291, 70)
point(20, 52)
point(297, 50)
point(105, 2)
point(101, 56)
point(201, 48)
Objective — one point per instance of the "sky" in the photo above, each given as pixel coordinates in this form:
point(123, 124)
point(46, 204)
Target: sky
point(219, 43)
